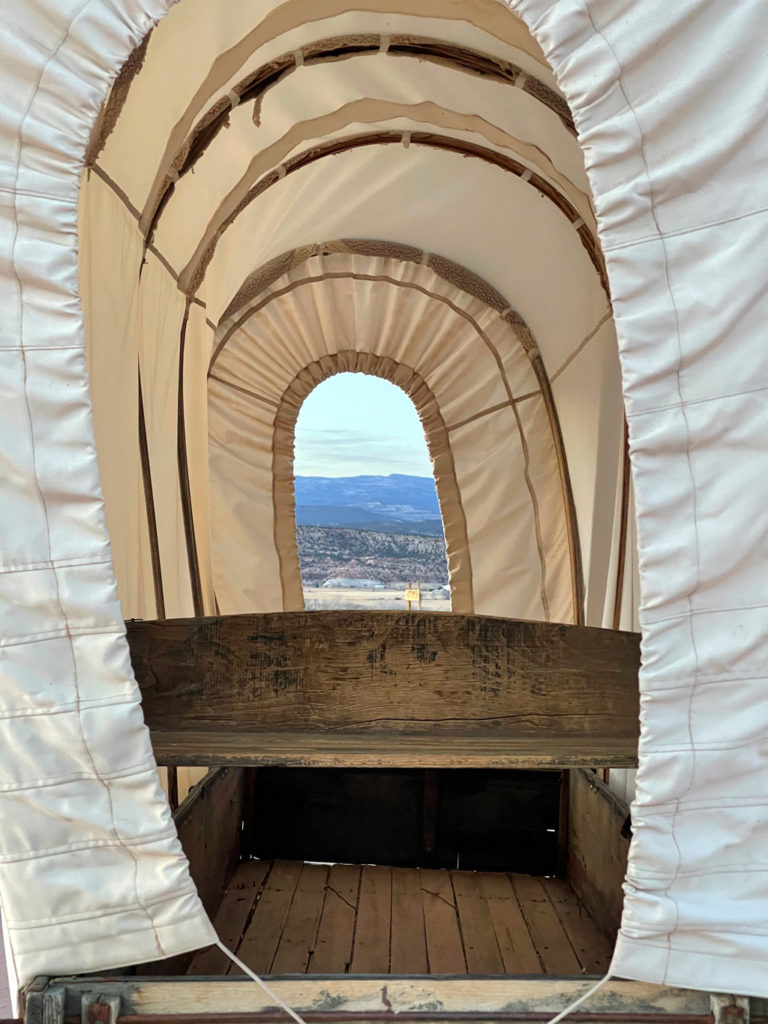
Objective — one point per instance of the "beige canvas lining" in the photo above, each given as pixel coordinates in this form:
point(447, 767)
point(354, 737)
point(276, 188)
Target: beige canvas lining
point(487, 15)
point(191, 278)
point(274, 162)
point(254, 86)
point(467, 281)
point(285, 504)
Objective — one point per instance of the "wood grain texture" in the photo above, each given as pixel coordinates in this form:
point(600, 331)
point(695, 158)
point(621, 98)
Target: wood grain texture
point(374, 915)
point(297, 941)
point(231, 918)
point(445, 952)
point(400, 998)
point(393, 750)
point(265, 929)
point(549, 937)
point(478, 934)
point(590, 945)
point(285, 917)
point(515, 944)
point(597, 851)
point(208, 822)
point(333, 946)
point(408, 945)
point(360, 672)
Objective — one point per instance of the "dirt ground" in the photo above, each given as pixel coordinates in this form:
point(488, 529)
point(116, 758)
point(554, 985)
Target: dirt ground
point(320, 599)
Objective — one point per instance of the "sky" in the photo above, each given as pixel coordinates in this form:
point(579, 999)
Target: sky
point(354, 425)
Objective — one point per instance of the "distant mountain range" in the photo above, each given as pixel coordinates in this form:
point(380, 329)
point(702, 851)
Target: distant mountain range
point(388, 504)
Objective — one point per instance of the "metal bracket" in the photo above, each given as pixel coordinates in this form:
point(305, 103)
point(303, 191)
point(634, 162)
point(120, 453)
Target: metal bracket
point(729, 1009)
point(102, 1009)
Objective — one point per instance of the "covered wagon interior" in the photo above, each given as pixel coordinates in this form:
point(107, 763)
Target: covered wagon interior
point(411, 803)
point(208, 210)
point(213, 208)
point(274, 194)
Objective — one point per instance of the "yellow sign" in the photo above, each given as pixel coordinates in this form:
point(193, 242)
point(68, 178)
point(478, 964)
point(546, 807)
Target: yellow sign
point(413, 595)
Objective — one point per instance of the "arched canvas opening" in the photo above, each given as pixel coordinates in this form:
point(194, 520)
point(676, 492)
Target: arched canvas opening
point(395, 317)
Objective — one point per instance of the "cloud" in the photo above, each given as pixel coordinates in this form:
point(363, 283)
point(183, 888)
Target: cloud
point(334, 452)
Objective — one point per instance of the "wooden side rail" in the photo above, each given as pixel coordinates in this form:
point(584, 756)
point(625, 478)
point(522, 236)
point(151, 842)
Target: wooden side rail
point(361, 689)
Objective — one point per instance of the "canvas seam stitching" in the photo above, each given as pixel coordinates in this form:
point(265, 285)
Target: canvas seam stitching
point(692, 481)
point(383, 278)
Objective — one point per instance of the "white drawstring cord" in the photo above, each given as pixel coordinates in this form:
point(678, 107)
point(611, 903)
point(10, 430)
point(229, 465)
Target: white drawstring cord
point(260, 981)
point(300, 1020)
point(582, 999)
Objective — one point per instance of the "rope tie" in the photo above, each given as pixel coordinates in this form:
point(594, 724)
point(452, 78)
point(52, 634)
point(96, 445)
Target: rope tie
point(582, 999)
point(260, 981)
point(300, 1020)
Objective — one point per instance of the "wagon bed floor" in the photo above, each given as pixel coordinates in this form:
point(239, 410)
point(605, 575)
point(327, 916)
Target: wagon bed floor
point(285, 917)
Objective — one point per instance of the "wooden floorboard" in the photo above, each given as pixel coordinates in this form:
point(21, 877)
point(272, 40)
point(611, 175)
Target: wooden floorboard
point(370, 953)
point(287, 917)
point(589, 944)
point(408, 947)
point(231, 918)
point(297, 942)
point(263, 934)
point(479, 936)
point(445, 952)
point(333, 947)
point(549, 937)
point(516, 946)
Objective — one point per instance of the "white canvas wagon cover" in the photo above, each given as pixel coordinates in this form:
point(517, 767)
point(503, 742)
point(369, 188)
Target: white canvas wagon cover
point(535, 218)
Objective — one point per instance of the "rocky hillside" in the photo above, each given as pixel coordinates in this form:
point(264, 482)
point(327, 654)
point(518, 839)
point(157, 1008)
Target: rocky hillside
point(391, 558)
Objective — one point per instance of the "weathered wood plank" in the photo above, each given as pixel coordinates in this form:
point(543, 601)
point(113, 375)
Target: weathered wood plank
point(250, 874)
point(399, 997)
point(370, 954)
point(589, 944)
point(298, 939)
point(480, 947)
point(515, 944)
point(408, 948)
point(260, 941)
point(333, 948)
point(209, 824)
point(231, 918)
point(597, 851)
point(385, 671)
point(445, 952)
point(230, 921)
point(549, 936)
point(398, 750)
